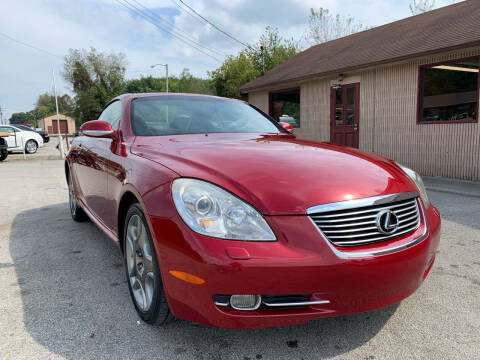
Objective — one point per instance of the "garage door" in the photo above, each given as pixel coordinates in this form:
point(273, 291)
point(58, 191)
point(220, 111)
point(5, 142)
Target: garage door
point(63, 127)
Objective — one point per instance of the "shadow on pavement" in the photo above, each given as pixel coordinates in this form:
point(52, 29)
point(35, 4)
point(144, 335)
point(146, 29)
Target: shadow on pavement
point(458, 208)
point(76, 304)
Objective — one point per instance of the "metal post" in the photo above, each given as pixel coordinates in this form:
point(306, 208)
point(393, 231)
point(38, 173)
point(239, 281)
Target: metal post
point(62, 154)
point(166, 72)
point(23, 150)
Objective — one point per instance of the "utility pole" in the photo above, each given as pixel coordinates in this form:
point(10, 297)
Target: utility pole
point(166, 73)
point(1, 115)
point(58, 117)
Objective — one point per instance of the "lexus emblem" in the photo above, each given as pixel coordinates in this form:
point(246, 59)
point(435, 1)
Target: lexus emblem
point(387, 222)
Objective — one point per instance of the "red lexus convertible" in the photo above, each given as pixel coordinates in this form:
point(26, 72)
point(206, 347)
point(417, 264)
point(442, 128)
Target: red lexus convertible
point(226, 218)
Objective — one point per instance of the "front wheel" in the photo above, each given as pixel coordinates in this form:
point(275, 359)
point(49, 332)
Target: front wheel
point(3, 155)
point(76, 211)
point(31, 147)
point(143, 273)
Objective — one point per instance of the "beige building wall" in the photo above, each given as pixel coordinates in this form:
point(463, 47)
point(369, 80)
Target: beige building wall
point(388, 119)
point(47, 123)
point(260, 100)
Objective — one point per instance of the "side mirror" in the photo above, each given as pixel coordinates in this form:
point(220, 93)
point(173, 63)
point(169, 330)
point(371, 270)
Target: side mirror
point(97, 128)
point(286, 126)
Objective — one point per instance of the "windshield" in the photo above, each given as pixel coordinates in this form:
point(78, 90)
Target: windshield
point(174, 115)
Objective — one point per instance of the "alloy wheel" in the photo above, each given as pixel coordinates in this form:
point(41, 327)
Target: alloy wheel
point(31, 147)
point(139, 263)
point(71, 198)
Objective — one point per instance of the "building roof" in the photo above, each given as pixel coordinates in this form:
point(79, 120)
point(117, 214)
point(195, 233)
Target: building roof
point(62, 117)
point(451, 27)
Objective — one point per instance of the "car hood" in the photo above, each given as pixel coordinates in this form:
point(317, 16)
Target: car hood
point(277, 174)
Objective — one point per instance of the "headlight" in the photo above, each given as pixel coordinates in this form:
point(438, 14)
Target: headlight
point(212, 211)
point(419, 182)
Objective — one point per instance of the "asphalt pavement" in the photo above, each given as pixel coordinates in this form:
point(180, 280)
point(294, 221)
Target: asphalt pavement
point(63, 293)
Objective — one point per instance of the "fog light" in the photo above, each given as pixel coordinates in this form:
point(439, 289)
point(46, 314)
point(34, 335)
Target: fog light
point(245, 302)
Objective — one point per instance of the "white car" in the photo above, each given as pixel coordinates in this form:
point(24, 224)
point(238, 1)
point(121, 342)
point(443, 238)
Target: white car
point(20, 139)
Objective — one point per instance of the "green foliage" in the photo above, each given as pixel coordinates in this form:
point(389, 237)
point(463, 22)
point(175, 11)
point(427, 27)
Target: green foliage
point(421, 6)
point(233, 73)
point(324, 26)
point(19, 118)
point(185, 83)
point(276, 49)
point(95, 78)
point(45, 106)
point(239, 69)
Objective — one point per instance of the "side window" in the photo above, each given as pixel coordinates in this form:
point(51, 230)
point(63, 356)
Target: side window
point(112, 114)
point(7, 129)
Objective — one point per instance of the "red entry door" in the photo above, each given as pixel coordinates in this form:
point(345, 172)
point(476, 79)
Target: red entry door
point(344, 114)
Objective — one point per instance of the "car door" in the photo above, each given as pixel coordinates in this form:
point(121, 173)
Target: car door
point(92, 166)
point(12, 139)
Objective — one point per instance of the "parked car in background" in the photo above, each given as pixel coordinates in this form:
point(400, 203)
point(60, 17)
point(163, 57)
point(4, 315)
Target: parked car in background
point(225, 218)
point(44, 134)
point(20, 139)
point(3, 145)
point(287, 119)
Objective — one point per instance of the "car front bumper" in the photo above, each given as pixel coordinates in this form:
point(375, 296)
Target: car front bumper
point(302, 261)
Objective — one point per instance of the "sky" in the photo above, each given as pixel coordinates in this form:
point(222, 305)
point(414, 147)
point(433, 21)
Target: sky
point(58, 25)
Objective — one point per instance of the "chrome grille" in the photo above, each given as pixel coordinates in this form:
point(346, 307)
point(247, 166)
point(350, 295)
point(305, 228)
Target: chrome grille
point(350, 225)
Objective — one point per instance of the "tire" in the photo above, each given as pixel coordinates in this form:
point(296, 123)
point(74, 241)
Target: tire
point(31, 147)
point(76, 211)
point(3, 154)
point(142, 270)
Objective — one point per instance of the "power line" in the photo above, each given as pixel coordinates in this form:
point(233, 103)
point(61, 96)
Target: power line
point(173, 32)
point(147, 17)
point(215, 26)
point(186, 11)
point(179, 31)
point(153, 22)
point(30, 46)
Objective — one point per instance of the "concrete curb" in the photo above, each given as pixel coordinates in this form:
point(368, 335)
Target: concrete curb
point(453, 186)
point(453, 192)
point(29, 158)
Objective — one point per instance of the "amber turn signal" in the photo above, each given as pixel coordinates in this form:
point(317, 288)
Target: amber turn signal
point(182, 275)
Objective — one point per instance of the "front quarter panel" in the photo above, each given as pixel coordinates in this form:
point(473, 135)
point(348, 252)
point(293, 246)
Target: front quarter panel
point(150, 183)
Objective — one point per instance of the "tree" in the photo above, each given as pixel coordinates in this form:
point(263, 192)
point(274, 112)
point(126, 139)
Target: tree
point(45, 104)
point(185, 83)
point(95, 78)
point(44, 107)
point(239, 69)
point(275, 50)
point(421, 6)
point(324, 26)
point(19, 118)
point(233, 73)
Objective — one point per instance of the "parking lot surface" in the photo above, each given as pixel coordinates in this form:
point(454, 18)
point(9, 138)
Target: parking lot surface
point(63, 292)
point(49, 151)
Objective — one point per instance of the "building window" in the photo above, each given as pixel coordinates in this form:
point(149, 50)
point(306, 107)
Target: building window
point(285, 106)
point(449, 92)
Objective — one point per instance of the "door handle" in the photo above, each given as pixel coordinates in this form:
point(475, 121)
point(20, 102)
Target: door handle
point(355, 128)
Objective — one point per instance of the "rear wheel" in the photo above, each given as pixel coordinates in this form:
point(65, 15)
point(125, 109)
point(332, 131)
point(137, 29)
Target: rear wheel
point(31, 147)
point(143, 273)
point(76, 211)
